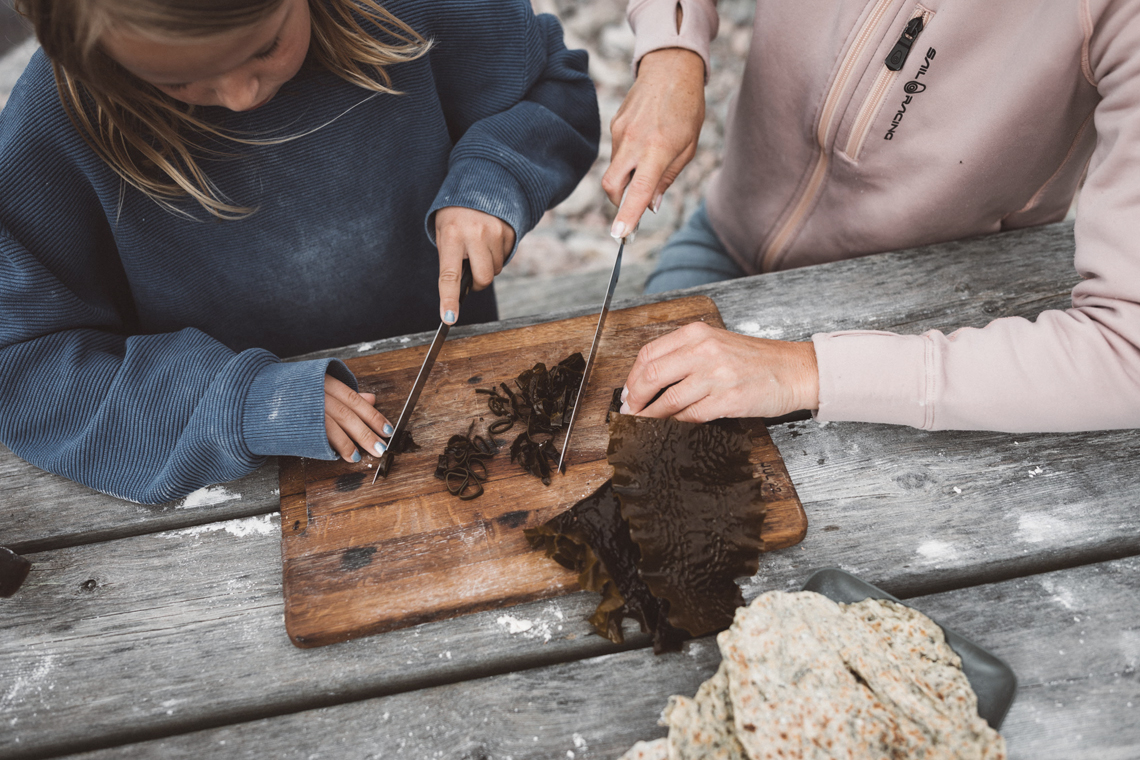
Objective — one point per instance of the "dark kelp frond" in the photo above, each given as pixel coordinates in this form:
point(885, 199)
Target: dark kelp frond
point(592, 539)
point(694, 510)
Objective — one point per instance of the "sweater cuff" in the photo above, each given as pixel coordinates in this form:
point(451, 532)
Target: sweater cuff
point(871, 376)
point(484, 186)
point(284, 413)
point(654, 24)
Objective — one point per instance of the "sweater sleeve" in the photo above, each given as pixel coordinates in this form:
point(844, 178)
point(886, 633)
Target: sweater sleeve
point(521, 109)
point(143, 417)
point(1071, 370)
point(654, 24)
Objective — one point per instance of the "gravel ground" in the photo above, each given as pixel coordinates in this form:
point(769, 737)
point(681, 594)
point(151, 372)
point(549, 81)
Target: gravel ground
point(573, 238)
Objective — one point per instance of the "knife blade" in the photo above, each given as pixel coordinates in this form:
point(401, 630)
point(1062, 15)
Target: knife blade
point(394, 441)
point(594, 346)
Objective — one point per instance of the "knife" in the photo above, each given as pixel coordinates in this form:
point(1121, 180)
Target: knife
point(597, 338)
point(425, 369)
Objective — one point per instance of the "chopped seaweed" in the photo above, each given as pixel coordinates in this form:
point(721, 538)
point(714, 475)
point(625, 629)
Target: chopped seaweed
point(403, 445)
point(463, 464)
point(694, 510)
point(593, 540)
point(543, 404)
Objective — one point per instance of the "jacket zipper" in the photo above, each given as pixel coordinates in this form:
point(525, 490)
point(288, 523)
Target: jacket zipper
point(884, 81)
point(783, 234)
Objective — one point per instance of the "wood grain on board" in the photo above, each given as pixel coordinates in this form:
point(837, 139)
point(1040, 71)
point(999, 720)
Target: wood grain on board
point(362, 558)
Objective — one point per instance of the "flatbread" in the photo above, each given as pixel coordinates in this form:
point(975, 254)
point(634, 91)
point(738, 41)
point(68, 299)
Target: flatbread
point(658, 749)
point(703, 726)
point(804, 677)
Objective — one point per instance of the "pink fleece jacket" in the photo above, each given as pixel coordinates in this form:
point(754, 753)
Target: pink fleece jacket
point(989, 124)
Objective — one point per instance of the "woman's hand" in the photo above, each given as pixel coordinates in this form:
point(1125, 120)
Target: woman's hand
point(709, 373)
point(654, 132)
point(351, 421)
point(464, 233)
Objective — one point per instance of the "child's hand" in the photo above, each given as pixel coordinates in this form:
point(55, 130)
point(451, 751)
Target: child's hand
point(349, 417)
point(464, 233)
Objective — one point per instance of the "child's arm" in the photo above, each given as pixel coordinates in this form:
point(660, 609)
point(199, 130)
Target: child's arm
point(521, 110)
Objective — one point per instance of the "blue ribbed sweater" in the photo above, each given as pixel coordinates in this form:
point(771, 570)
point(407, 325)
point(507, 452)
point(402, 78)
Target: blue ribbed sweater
point(139, 349)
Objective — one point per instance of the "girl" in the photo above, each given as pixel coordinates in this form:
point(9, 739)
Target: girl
point(190, 189)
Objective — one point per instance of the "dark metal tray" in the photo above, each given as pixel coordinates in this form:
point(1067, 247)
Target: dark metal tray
point(990, 677)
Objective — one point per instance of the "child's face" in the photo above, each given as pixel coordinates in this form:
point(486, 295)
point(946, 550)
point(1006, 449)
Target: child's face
point(239, 70)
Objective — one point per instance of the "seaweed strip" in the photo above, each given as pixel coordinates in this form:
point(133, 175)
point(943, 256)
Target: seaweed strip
point(462, 466)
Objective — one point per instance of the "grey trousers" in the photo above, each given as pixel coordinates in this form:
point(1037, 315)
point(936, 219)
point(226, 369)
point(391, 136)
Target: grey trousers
point(694, 255)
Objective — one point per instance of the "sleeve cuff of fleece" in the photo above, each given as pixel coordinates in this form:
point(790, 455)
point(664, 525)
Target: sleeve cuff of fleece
point(867, 376)
point(654, 24)
point(284, 412)
point(488, 187)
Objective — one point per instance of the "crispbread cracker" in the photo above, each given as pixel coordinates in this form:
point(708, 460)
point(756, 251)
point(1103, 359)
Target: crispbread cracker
point(702, 727)
point(808, 678)
point(658, 749)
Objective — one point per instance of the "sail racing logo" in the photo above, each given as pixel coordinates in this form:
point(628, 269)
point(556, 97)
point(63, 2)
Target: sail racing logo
point(911, 88)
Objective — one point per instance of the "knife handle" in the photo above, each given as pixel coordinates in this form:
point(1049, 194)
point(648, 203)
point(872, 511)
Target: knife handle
point(465, 281)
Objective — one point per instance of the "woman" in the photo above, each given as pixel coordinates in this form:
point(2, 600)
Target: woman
point(862, 127)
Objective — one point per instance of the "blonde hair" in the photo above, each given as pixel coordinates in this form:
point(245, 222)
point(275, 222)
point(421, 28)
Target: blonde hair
point(148, 137)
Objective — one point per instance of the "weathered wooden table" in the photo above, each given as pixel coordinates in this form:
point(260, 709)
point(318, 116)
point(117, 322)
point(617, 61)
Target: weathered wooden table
point(158, 632)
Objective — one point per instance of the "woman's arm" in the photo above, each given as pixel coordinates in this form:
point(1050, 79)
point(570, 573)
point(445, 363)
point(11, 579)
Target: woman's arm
point(656, 129)
point(1068, 370)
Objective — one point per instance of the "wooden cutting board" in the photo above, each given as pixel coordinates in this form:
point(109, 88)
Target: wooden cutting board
point(362, 558)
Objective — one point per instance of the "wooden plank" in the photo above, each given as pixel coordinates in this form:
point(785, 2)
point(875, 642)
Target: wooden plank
point(184, 629)
point(437, 556)
point(41, 511)
point(966, 283)
point(954, 506)
point(527, 296)
point(162, 633)
point(942, 286)
point(1071, 636)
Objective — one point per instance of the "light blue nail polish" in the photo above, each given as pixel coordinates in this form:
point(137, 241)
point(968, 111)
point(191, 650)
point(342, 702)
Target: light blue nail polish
point(356, 456)
point(388, 429)
point(449, 317)
point(380, 448)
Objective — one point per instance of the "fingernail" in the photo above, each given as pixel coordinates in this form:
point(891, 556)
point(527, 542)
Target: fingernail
point(355, 455)
point(624, 394)
point(388, 429)
point(619, 230)
point(380, 448)
point(449, 317)
point(657, 202)
point(624, 409)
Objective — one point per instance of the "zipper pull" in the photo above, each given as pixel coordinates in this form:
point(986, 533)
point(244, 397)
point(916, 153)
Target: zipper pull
point(901, 50)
